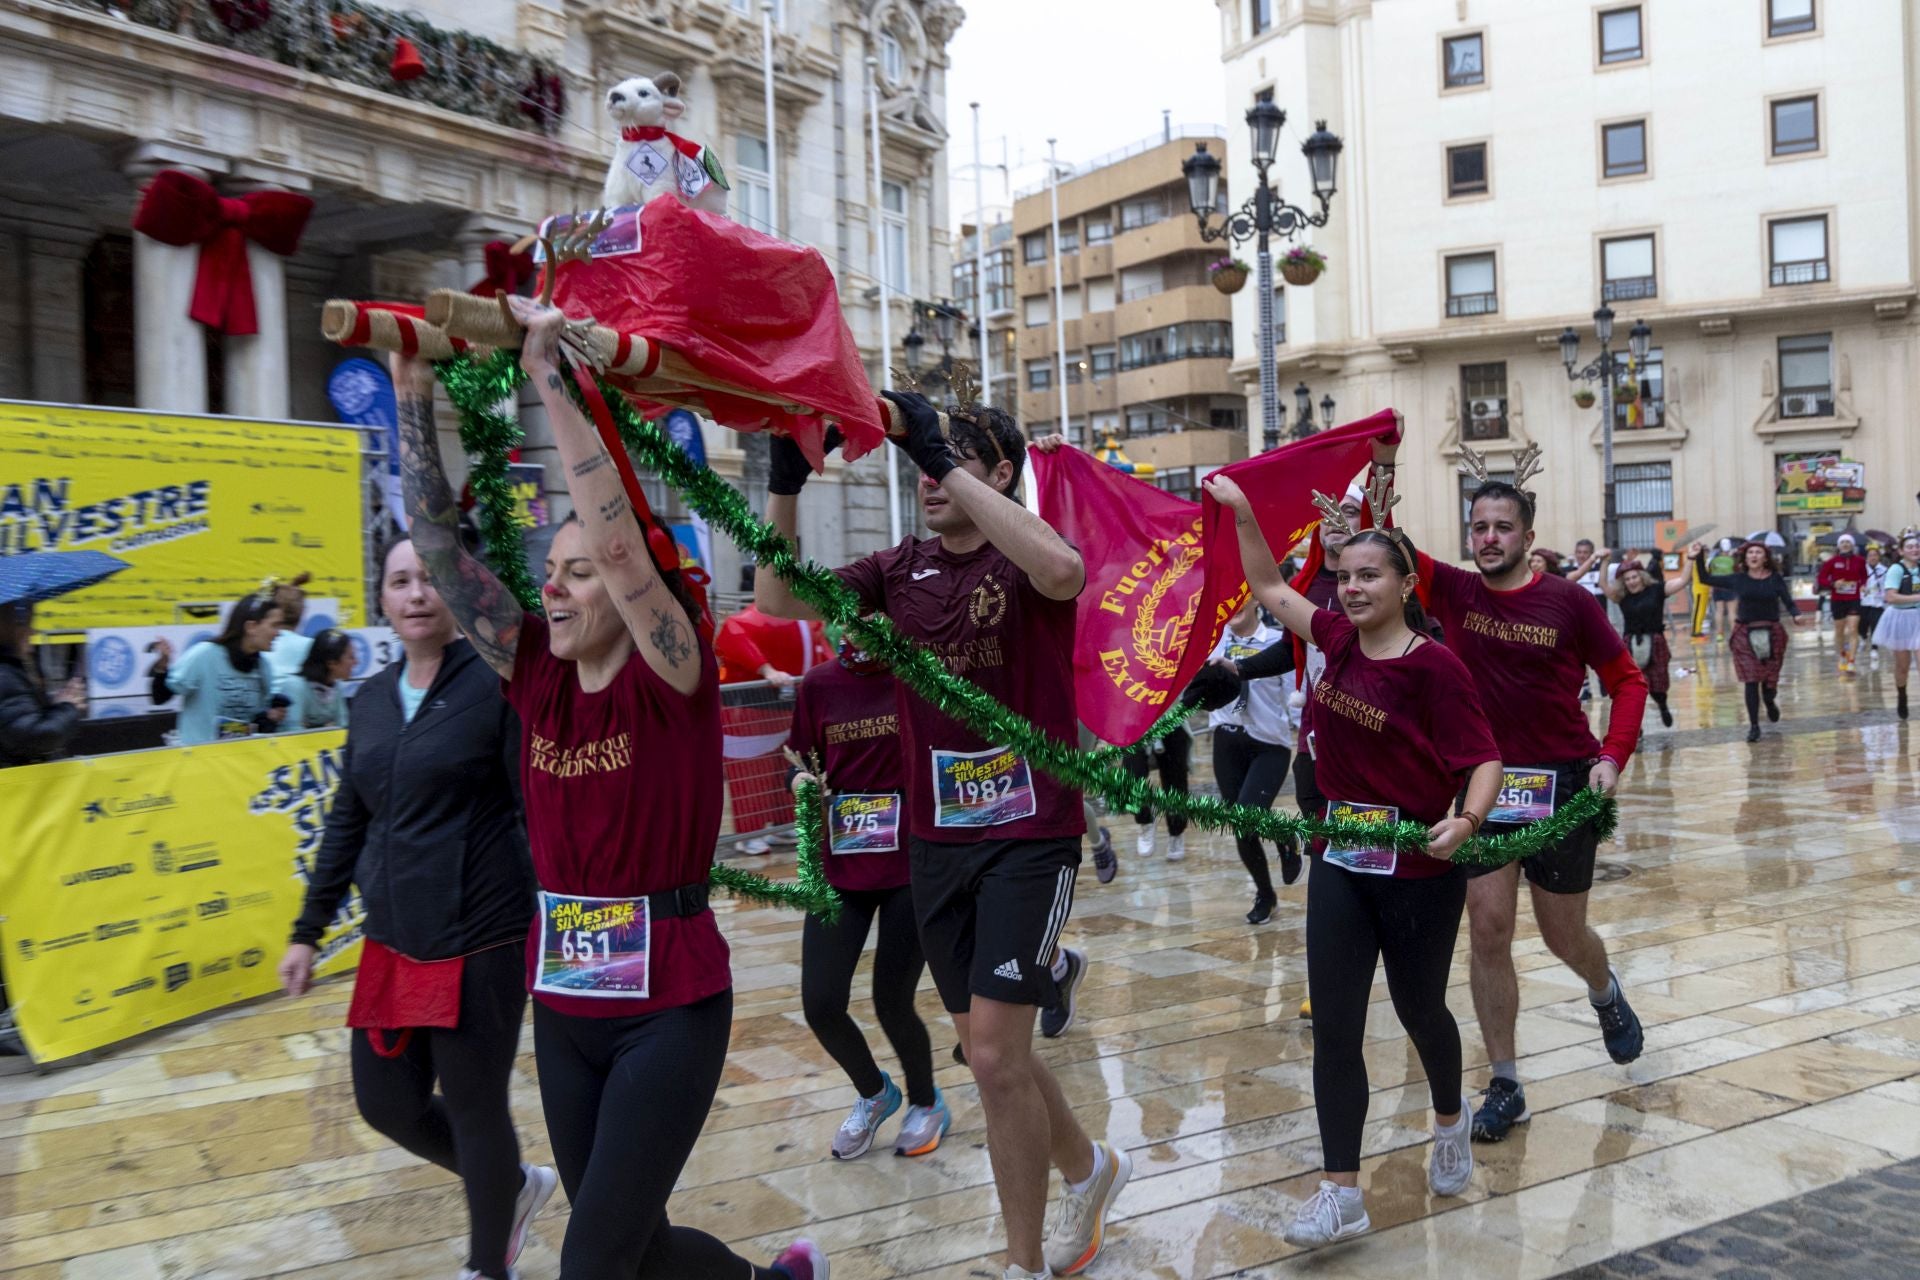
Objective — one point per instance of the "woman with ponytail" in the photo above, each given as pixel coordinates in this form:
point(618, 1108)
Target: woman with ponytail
point(1398, 727)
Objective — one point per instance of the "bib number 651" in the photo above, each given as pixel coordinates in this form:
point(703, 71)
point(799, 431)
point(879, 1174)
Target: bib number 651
point(583, 946)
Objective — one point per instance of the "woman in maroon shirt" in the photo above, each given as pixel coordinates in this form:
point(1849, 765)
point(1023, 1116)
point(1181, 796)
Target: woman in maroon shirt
point(846, 723)
point(1397, 724)
point(619, 705)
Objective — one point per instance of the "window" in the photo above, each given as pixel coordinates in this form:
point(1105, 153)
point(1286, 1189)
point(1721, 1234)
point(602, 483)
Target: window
point(1806, 376)
point(1789, 17)
point(752, 7)
point(1076, 369)
point(1100, 294)
point(1147, 419)
point(1279, 314)
point(1102, 362)
point(1099, 230)
point(1070, 303)
point(1643, 498)
point(1467, 170)
point(1143, 212)
point(1141, 282)
point(1620, 36)
point(1798, 250)
point(1796, 125)
point(1645, 413)
point(1038, 309)
point(1039, 375)
point(1467, 485)
point(893, 58)
point(1262, 14)
point(893, 234)
point(1033, 247)
point(1069, 240)
point(1463, 59)
point(1483, 394)
point(1000, 280)
point(754, 198)
point(1195, 339)
point(1624, 149)
point(1626, 269)
point(1470, 285)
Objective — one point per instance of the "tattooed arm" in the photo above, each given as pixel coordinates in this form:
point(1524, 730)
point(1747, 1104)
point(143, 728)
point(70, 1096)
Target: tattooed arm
point(486, 610)
point(660, 627)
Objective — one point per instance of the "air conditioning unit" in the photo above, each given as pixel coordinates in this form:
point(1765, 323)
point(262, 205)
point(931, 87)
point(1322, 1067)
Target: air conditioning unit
point(1805, 406)
point(1488, 407)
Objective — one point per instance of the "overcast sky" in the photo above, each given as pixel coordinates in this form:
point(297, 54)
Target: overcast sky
point(1095, 74)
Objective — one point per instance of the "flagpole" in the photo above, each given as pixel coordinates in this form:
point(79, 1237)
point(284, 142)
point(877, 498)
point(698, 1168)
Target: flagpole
point(876, 243)
point(1059, 315)
point(773, 143)
point(980, 265)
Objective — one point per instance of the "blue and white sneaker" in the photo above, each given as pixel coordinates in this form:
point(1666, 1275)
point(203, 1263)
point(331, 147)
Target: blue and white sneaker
point(1620, 1026)
point(921, 1131)
point(1502, 1106)
point(862, 1124)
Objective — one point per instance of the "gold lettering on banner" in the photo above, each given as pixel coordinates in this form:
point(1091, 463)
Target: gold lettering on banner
point(1512, 632)
point(606, 755)
point(861, 730)
point(1161, 628)
point(1343, 703)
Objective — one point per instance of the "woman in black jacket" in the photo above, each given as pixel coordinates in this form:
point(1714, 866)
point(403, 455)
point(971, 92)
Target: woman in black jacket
point(427, 825)
point(34, 725)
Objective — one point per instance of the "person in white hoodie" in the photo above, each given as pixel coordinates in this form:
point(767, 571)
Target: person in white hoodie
point(1254, 738)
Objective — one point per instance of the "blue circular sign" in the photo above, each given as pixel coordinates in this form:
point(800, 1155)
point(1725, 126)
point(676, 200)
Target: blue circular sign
point(362, 654)
point(111, 661)
point(314, 625)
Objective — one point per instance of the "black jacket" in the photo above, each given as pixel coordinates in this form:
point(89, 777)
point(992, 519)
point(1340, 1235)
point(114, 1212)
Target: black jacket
point(33, 727)
point(427, 821)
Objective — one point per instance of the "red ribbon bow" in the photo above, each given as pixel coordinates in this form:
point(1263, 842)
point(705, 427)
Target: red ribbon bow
point(180, 209)
point(506, 270)
point(653, 133)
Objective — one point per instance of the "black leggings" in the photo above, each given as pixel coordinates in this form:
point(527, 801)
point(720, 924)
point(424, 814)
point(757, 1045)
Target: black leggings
point(1250, 771)
point(1175, 750)
point(1352, 922)
point(1755, 691)
point(625, 1099)
point(466, 1129)
point(828, 956)
point(1869, 620)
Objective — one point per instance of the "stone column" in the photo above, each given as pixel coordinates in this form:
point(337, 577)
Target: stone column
point(170, 354)
point(56, 312)
point(258, 367)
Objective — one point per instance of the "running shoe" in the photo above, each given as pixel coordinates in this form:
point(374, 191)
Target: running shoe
point(1768, 696)
point(1619, 1026)
point(1176, 848)
point(1057, 1018)
point(960, 1055)
point(1753, 734)
point(803, 1260)
point(1262, 912)
point(1144, 845)
point(1291, 864)
point(1329, 1214)
point(1080, 1221)
point(1021, 1273)
point(1902, 708)
point(921, 1131)
point(857, 1131)
point(1666, 715)
point(1306, 1010)
point(756, 846)
point(1450, 1168)
point(536, 1188)
point(1502, 1106)
point(468, 1273)
point(1105, 865)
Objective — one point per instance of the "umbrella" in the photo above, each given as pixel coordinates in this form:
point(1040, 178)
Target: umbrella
point(42, 575)
point(1880, 536)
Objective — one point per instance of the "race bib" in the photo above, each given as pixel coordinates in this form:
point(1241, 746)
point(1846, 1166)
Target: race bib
point(594, 947)
point(1526, 795)
point(648, 163)
point(981, 788)
point(864, 823)
point(1366, 861)
point(234, 729)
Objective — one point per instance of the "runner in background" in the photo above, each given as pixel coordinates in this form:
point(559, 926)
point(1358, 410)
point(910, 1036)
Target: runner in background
point(1841, 577)
point(224, 684)
point(314, 693)
point(1253, 741)
point(1900, 629)
point(1873, 601)
point(847, 720)
point(1758, 641)
point(619, 702)
point(1173, 756)
point(1721, 564)
point(1399, 729)
point(995, 842)
point(1642, 598)
point(428, 800)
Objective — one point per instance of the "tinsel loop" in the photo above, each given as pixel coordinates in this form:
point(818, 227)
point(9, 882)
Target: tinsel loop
point(476, 388)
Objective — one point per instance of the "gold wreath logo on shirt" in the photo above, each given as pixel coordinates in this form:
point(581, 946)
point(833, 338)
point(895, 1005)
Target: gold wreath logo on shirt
point(989, 603)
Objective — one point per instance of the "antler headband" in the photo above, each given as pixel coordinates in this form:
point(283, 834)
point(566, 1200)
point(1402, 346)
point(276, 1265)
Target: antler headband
point(1526, 465)
point(963, 387)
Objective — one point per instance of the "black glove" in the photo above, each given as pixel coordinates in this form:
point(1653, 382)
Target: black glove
point(925, 443)
point(788, 468)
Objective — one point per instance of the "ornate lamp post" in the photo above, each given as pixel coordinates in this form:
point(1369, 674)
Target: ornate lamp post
point(1604, 369)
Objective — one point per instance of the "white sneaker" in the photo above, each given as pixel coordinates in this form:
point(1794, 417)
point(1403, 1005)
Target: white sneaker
point(755, 847)
point(533, 1197)
point(1450, 1168)
point(1021, 1273)
point(1329, 1214)
point(468, 1273)
point(1144, 845)
point(1080, 1220)
point(1176, 848)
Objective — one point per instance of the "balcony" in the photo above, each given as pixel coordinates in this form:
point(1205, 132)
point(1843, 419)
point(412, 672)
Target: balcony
point(1174, 305)
point(1472, 304)
point(1161, 239)
point(1195, 376)
point(1814, 271)
point(1629, 289)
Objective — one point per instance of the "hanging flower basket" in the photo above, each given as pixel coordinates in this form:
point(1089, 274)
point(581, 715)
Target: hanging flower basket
point(1229, 275)
point(1302, 265)
point(1626, 393)
point(1584, 397)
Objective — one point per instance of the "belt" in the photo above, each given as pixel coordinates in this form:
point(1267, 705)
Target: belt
point(687, 900)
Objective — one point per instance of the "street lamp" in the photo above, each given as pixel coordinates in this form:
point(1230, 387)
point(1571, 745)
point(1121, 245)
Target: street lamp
point(1604, 369)
point(1263, 214)
point(1326, 409)
point(912, 344)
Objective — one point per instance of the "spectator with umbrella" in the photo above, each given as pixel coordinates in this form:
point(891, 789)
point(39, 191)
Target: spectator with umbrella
point(36, 725)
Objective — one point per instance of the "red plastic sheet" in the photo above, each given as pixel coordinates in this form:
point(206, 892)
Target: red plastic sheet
point(744, 309)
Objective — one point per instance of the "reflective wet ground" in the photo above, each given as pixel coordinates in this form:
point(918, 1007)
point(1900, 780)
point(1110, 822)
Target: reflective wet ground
point(1763, 910)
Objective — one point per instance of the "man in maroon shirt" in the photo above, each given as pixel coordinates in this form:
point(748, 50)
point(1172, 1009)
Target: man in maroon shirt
point(995, 842)
point(1528, 639)
point(1841, 577)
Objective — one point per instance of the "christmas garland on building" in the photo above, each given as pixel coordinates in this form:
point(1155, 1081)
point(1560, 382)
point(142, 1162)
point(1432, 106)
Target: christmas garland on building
point(475, 387)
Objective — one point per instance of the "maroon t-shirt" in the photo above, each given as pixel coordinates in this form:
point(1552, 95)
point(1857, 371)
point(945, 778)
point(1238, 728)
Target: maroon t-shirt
point(623, 798)
point(1324, 593)
point(1402, 732)
point(982, 617)
point(1528, 650)
point(851, 721)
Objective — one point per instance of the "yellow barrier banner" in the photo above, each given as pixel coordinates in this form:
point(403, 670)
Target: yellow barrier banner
point(202, 508)
point(144, 888)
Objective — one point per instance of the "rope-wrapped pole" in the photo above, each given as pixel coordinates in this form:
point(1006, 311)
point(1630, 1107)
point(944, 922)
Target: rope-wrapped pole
point(387, 326)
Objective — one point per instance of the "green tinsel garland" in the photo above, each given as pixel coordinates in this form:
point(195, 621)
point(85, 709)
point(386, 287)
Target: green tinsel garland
point(723, 507)
point(810, 892)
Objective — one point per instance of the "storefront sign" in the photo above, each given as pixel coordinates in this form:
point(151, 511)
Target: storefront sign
point(1819, 482)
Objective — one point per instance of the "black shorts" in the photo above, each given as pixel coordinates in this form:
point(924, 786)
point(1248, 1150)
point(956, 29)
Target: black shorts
point(990, 916)
point(1844, 609)
point(1568, 866)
